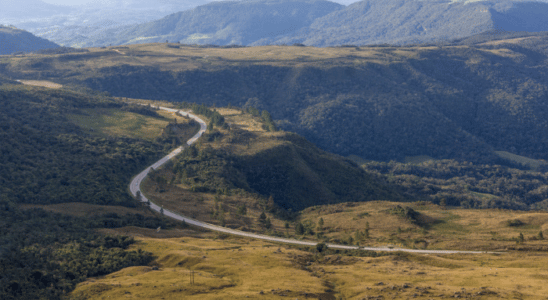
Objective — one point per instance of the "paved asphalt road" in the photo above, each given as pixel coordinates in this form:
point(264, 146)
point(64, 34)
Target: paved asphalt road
point(136, 182)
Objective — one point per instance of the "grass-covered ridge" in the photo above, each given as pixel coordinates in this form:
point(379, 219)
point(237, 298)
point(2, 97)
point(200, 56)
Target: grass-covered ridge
point(452, 102)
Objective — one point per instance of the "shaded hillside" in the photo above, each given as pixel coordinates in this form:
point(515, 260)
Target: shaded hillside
point(231, 22)
point(14, 40)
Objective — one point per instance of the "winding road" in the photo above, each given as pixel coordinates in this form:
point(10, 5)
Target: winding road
point(135, 188)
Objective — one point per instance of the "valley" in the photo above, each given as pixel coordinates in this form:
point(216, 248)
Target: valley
point(279, 149)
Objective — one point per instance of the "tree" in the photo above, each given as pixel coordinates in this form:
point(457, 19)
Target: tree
point(320, 224)
point(262, 218)
point(321, 247)
point(299, 228)
point(521, 238)
point(443, 202)
point(540, 235)
point(242, 210)
point(268, 223)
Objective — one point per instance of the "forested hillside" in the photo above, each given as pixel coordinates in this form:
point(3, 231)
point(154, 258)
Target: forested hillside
point(324, 23)
point(379, 103)
point(413, 21)
point(46, 159)
point(229, 22)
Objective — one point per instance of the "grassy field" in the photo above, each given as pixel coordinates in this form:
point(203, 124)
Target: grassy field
point(42, 83)
point(435, 227)
point(235, 268)
point(115, 122)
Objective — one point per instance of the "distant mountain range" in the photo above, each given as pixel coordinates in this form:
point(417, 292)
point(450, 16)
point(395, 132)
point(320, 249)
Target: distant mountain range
point(29, 9)
point(87, 25)
point(231, 22)
point(324, 23)
point(261, 22)
point(14, 40)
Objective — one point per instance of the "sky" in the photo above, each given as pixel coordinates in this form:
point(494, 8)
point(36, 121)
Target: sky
point(80, 2)
point(68, 2)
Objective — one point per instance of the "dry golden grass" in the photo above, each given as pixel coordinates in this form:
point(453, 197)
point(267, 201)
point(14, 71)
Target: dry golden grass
point(234, 268)
point(224, 269)
point(441, 228)
point(113, 122)
point(42, 83)
point(183, 57)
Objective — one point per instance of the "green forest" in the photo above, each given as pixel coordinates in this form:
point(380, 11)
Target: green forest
point(454, 183)
point(47, 159)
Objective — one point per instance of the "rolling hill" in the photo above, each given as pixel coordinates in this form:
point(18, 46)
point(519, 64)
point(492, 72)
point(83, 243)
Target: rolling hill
point(14, 40)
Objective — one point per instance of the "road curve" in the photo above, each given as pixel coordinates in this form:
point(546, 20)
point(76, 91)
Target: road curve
point(135, 187)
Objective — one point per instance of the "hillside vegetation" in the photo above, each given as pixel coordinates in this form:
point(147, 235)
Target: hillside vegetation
point(230, 22)
point(379, 103)
point(48, 158)
point(15, 40)
point(243, 168)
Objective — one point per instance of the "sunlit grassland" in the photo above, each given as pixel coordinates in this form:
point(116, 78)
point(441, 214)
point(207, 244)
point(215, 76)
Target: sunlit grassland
point(233, 268)
point(113, 122)
point(438, 227)
point(174, 57)
point(224, 269)
point(42, 83)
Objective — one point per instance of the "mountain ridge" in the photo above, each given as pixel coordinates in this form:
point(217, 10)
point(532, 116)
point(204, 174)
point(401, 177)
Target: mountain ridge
point(13, 40)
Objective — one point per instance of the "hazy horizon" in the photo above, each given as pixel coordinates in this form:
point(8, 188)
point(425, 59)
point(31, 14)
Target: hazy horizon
point(83, 2)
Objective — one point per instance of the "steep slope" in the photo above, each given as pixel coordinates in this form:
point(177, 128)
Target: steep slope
point(14, 40)
point(231, 22)
point(415, 21)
